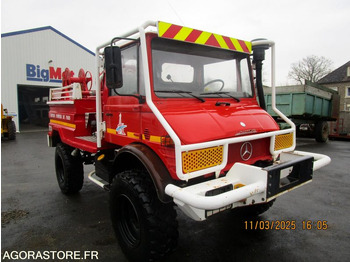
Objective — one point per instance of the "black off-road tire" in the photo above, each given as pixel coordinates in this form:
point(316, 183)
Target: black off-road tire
point(11, 127)
point(69, 170)
point(255, 210)
point(145, 228)
point(321, 131)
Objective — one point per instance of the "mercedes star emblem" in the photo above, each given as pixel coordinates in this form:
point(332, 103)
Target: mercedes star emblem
point(246, 151)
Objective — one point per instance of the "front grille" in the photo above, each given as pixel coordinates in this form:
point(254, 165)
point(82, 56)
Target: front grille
point(283, 141)
point(200, 159)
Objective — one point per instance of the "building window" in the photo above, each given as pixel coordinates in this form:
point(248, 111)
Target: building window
point(347, 91)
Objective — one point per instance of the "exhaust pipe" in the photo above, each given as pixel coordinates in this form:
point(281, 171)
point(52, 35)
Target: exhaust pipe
point(258, 58)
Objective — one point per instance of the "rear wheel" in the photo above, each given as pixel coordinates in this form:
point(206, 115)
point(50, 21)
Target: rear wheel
point(321, 131)
point(11, 127)
point(145, 228)
point(69, 170)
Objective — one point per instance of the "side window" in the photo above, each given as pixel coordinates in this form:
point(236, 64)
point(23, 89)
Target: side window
point(129, 67)
point(245, 75)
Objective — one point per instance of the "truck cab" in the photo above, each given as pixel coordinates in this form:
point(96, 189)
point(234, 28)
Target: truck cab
point(174, 120)
point(204, 94)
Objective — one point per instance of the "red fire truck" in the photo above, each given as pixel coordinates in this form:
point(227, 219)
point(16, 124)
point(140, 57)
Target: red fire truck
point(174, 119)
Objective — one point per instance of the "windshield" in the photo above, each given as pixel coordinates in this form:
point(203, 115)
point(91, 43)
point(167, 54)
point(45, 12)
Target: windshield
point(183, 70)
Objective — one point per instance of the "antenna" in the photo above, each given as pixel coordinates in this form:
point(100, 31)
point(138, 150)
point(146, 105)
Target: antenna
point(182, 22)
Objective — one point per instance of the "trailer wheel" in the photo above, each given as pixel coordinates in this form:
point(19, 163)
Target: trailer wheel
point(69, 170)
point(145, 228)
point(321, 131)
point(11, 127)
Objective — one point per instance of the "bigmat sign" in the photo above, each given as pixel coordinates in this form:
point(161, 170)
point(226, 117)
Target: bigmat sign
point(35, 73)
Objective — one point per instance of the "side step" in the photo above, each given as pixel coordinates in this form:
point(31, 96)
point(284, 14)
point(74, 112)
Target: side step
point(98, 181)
point(92, 139)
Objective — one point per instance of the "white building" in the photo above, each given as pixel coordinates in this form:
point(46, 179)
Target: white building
point(32, 61)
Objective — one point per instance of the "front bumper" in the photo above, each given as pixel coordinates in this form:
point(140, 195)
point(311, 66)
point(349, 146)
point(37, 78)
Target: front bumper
point(247, 185)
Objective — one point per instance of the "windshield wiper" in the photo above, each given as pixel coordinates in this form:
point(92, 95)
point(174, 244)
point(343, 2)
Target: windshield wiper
point(181, 92)
point(222, 93)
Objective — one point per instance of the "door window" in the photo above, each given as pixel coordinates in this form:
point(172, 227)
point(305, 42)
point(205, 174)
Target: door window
point(130, 69)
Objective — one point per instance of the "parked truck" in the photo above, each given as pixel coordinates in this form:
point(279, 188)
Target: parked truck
point(173, 119)
point(309, 106)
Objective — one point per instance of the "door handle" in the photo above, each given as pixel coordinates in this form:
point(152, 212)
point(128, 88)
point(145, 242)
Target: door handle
point(109, 114)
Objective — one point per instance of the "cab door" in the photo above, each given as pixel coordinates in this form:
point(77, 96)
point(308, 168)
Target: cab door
point(122, 108)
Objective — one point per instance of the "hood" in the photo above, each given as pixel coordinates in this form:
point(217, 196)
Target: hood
point(202, 122)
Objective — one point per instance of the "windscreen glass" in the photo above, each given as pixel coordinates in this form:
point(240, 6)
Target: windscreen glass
point(183, 69)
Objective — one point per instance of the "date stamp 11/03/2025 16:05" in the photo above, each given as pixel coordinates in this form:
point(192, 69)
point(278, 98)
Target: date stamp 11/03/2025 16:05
point(285, 225)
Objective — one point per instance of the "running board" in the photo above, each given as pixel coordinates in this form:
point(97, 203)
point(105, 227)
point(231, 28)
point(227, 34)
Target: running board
point(98, 181)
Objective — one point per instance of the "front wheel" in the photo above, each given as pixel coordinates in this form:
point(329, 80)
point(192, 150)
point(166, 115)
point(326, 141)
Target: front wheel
point(145, 228)
point(69, 170)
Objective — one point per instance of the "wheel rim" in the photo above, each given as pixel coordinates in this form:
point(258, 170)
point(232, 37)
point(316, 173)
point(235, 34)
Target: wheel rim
point(128, 222)
point(325, 131)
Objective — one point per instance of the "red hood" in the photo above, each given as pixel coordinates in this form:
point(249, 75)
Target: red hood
point(202, 122)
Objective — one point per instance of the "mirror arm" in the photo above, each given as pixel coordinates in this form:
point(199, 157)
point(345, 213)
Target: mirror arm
point(123, 38)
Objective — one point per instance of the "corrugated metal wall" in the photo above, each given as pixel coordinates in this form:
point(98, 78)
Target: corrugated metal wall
point(45, 48)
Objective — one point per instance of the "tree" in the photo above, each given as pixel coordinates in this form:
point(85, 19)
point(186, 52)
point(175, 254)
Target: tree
point(311, 68)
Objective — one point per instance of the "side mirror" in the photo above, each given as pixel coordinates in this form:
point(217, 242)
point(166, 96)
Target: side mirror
point(113, 64)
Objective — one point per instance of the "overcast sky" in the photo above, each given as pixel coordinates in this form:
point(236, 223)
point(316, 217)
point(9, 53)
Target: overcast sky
point(298, 27)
